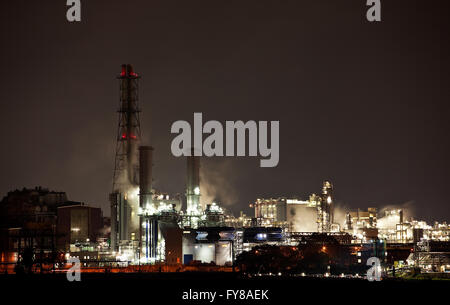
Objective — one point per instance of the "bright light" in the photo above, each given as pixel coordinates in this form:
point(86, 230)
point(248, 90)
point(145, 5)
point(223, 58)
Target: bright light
point(197, 191)
point(133, 193)
point(261, 236)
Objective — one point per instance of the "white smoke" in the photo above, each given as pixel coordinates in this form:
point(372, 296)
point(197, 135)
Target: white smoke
point(215, 182)
point(302, 218)
point(388, 222)
point(339, 214)
point(392, 219)
point(407, 207)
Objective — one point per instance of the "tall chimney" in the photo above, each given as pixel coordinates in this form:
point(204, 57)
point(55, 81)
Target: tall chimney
point(193, 182)
point(145, 175)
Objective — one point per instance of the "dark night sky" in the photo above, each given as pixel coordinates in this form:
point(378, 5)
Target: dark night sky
point(364, 105)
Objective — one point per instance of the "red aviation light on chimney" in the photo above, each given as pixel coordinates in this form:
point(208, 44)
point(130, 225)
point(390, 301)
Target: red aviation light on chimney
point(124, 135)
point(131, 71)
point(124, 70)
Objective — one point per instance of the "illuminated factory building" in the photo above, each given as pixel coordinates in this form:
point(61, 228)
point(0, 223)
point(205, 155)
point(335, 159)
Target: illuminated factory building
point(150, 228)
point(153, 229)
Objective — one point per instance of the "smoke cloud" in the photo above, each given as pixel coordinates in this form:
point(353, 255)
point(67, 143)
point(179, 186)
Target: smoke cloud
point(390, 221)
point(216, 183)
point(340, 211)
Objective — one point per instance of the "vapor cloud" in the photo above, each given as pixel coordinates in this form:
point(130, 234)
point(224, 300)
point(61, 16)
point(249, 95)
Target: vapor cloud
point(216, 182)
point(340, 211)
point(390, 221)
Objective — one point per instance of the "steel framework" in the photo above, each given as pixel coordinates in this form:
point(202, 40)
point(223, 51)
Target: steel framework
point(128, 132)
point(324, 208)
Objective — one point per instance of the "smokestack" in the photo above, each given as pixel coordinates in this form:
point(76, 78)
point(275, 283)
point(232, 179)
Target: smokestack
point(148, 227)
point(193, 182)
point(125, 173)
point(129, 132)
point(145, 175)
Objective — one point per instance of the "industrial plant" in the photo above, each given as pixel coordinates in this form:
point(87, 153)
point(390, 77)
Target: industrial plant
point(151, 230)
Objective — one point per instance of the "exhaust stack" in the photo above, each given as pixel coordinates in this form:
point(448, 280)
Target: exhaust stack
point(193, 183)
point(145, 175)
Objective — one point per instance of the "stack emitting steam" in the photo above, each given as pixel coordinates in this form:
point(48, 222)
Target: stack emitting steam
point(134, 211)
point(193, 185)
point(145, 176)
